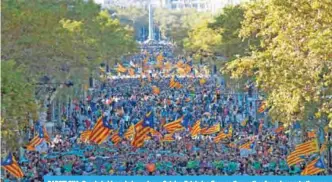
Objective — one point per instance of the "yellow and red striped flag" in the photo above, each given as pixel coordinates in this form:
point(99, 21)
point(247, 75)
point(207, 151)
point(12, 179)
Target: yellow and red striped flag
point(294, 158)
point(131, 71)
point(174, 125)
point(222, 135)
point(260, 128)
point(323, 148)
point(38, 139)
point(211, 130)
point(262, 107)
point(202, 81)
point(307, 147)
point(168, 66)
point(247, 145)
point(187, 68)
point(130, 132)
point(155, 90)
point(196, 129)
point(100, 131)
point(279, 129)
point(270, 150)
point(177, 85)
point(10, 165)
point(168, 138)
point(46, 136)
point(311, 134)
point(121, 69)
point(314, 167)
point(141, 131)
point(244, 122)
point(115, 138)
point(85, 135)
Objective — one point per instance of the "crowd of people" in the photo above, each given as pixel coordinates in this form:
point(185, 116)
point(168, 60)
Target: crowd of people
point(125, 102)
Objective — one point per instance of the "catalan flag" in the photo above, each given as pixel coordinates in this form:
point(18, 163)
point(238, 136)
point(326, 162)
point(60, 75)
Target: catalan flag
point(262, 107)
point(46, 136)
point(314, 167)
point(211, 130)
point(38, 139)
point(10, 165)
point(179, 64)
point(131, 71)
point(174, 125)
point(160, 57)
point(142, 129)
point(270, 150)
point(130, 132)
point(115, 138)
point(168, 66)
point(221, 135)
point(178, 85)
point(307, 147)
point(121, 69)
point(187, 68)
point(232, 145)
point(202, 81)
point(174, 84)
point(248, 145)
point(294, 158)
point(279, 129)
point(323, 148)
point(260, 128)
point(155, 90)
point(244, 122)
point(196, 129)
point(230, 131)
point(85, 135)
point(101, 131)
point(311, 134)
point(168, 138)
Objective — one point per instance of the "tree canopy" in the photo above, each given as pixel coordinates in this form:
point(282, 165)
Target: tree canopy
point(17, 102)
point(175, 24)
point(293, 64)
point(53, 38)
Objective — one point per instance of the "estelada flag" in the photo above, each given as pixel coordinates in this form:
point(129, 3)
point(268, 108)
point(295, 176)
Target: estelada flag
point(10, 165)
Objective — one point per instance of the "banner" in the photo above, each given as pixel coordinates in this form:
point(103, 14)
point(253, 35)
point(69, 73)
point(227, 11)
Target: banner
point(187, 178)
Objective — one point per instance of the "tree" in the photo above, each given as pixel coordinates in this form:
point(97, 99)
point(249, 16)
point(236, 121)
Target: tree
point(54, 38)
point(132, 16)
point(175, 24)
point(229, 22)
point(293, 65)
point(50, 37)
point(17, 103)
point(203, 38)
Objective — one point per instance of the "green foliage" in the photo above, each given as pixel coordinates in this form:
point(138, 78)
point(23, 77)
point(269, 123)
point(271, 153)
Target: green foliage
point(56, 38)
point(202, 38)
point(17, 102)
point(229, 22)
point(175, 24)
point(293, 65)
point(50, 37)
point(135, 17)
